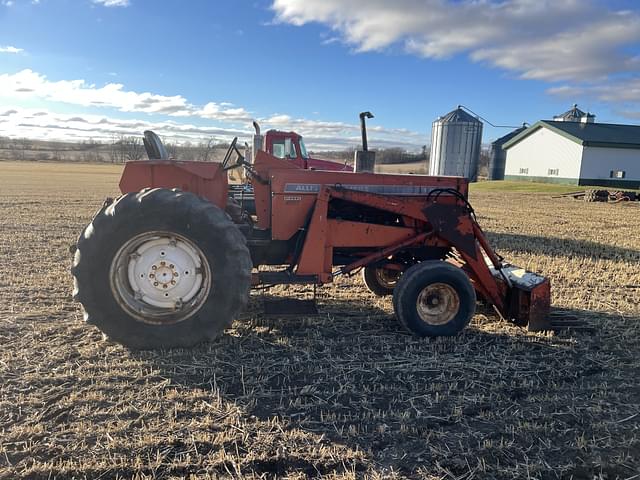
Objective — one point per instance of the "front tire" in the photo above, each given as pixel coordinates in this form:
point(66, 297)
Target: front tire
point(161, 268)
point(434, 299)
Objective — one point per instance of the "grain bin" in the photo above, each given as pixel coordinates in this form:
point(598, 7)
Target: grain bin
point(455, 145)
point(498, 158)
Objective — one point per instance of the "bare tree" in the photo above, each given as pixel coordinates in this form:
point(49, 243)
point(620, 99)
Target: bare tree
point(23, 145)
point(115, 151)
point(126, 149)
point(135, 148)
point(206, 150)
point(172, 148)
point(57, 152)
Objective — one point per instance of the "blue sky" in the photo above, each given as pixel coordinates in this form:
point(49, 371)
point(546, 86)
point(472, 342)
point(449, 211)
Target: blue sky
point(73, 69)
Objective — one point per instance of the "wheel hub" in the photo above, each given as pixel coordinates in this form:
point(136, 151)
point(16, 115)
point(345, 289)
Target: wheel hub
point(163, 276)
point(387, 278)
point(438, 303)
point(160, 276)
point(163, 272)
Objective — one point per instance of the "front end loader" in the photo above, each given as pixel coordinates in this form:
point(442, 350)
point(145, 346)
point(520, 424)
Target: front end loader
point(171, 262)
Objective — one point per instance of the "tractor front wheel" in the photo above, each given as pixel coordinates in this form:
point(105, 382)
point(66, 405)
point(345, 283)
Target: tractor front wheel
point(434, 299)
point(161, 268)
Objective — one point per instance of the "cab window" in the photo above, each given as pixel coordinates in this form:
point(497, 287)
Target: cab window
point(303, 149)
point(278, 149)
point(291, 148)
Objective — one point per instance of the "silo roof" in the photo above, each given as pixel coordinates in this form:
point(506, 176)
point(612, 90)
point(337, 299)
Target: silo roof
point(574, 114)
point(458, 116)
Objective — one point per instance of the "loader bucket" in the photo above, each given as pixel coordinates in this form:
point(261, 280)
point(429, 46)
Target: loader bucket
point(528, 299)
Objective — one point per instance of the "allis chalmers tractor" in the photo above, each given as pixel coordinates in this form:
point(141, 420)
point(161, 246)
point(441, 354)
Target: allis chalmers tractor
point(172, 260)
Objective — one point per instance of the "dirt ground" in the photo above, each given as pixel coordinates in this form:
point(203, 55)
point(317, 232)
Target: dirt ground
point(344, 394)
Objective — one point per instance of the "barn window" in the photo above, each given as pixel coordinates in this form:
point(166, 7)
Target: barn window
point(553, 171)
point(617, 174)
point(524, 171)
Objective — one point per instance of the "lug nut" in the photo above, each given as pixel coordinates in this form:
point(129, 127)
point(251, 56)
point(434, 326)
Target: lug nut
point(173, 282)
point(175, 274)
point(152, 275)
point(163, 263)
point(153, 267)
point(171, 265)
point(155, 284)
point(164, 286)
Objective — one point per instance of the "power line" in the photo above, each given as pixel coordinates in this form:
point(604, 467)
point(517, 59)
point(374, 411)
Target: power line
point(524, 124)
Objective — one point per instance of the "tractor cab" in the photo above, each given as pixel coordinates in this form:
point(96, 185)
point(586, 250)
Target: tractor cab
point(290, 146)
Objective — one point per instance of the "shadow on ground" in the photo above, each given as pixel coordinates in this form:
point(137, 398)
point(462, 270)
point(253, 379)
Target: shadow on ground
point(491, 398)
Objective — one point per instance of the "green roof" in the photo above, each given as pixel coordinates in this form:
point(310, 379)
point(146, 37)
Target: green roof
point(587, 134)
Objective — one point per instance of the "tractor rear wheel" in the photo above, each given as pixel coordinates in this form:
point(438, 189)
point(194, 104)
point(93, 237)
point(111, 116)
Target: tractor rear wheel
point(161, 268)
point(434, 299)
point(379, 280)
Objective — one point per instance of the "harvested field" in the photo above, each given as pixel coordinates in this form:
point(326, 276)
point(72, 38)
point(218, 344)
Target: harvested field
point(344, 394)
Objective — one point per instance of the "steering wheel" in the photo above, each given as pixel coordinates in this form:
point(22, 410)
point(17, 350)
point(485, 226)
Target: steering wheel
point(239, 159)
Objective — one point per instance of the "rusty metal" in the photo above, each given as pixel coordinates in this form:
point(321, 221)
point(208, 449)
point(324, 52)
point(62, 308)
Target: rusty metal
point(374, 257)
point(438, 303)
point(386, 277)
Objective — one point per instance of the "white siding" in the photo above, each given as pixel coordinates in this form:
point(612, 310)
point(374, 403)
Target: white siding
point(598, 162)
point(544, 150)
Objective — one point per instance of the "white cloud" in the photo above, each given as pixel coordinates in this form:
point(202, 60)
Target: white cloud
point(44, 124)
point(543, 39)
point(623, 94)
point(619, 91)
point(30, 85)
point(112, 3)
point(224, 111)
point(10, 49)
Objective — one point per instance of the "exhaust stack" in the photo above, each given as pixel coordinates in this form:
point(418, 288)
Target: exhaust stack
point(257, 143)
point(364, 160)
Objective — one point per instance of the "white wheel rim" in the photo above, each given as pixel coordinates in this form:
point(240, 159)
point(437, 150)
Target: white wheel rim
point(160, 277)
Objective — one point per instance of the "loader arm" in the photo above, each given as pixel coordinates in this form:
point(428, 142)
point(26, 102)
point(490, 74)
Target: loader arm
point(517, 295)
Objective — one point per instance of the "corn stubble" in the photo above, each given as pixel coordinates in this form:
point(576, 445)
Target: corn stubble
point(345, 394)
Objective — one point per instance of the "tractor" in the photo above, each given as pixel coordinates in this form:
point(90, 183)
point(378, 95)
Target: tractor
point(171, 262)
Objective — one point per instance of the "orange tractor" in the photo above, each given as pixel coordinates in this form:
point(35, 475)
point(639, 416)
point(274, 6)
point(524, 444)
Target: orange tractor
point(171, 261)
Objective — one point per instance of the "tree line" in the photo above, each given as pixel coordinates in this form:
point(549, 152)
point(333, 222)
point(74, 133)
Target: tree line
point(124, 148)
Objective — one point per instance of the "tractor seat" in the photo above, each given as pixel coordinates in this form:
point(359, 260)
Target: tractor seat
point(154, 147)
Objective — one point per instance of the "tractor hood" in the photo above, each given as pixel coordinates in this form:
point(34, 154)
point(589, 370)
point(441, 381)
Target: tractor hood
point(327, 165)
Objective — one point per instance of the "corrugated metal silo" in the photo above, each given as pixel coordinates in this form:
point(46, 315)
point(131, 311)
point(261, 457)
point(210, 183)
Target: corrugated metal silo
point(498, 158)
point(455, 145)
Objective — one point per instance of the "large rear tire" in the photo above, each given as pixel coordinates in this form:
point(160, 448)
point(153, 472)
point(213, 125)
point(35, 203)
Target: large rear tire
point(161, 268)
point(434, 299)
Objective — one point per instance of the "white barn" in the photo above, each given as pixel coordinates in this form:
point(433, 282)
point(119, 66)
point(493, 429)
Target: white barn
point(576, 152)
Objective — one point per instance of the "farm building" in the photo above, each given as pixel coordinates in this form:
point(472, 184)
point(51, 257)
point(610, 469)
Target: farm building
point(574, 149)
